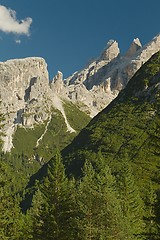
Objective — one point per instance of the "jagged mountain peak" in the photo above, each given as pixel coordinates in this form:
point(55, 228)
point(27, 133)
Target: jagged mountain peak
point(57, 84)
point(30, 95)
point(111, 51)
point(58, 77)
point(148, 49)
point(104, 77)
point(135, 46)
point(137, 41)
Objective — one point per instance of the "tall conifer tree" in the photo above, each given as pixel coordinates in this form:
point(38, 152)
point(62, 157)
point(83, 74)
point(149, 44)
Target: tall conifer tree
point(99, 209)
point(131, 203)
point(57, 211)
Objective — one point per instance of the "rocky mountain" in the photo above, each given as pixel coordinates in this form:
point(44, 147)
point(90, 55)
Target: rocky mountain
point(101, 80)
point(128, 127)
point(29, 99)
point(125, 136)
point(113, 162)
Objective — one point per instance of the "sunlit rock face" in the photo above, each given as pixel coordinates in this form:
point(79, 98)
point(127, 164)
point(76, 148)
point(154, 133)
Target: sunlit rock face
point(101, 80)
point(28, 96)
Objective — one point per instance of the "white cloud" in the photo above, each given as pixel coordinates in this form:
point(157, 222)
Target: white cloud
point(18, 41)
point(10, 24)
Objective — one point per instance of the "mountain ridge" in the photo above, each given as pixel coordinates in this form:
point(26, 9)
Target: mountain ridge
point(28, 97)
point(101, 80)
point(125, 136)
point(130, 95)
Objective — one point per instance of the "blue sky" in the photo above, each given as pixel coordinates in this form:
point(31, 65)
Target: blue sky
point(68, 33)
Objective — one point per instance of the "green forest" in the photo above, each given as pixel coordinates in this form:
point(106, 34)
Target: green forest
point(103, 185)
point(94, 206)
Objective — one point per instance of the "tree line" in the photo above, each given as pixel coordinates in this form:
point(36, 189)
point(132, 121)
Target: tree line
point(96, 206)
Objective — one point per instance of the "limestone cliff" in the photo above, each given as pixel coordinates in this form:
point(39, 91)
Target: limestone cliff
point(28, 97)
point(101, 80)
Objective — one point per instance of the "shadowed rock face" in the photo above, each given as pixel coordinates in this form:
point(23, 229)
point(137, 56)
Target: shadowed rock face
point(135, 46)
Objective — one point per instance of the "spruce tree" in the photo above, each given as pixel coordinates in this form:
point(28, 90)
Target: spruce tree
point(55, 215)
point(11, 219)
point(151, 212)
point(110, 214)
point(131, 203)
point(86, 200)
point(99, 209)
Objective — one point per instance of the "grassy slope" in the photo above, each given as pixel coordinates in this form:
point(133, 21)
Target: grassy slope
point(56, 137)
point(25, 159)
point(127, 130)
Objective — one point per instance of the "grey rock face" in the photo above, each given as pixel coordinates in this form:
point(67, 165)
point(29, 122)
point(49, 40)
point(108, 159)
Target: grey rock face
point(27, 96)
point(57, 84)
point(135, 46)
point(23, 82)
point(102, 79)
point(110, 52)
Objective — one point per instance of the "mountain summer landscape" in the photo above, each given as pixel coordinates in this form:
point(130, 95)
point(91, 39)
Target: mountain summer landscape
point(80, 157)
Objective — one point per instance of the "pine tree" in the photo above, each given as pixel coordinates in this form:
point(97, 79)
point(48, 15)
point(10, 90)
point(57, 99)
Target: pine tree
point(99, 209)
point(11, 219)
point(86, 199)
point(131, 203)
point(151, 214)
point(55, 215)
point(110, 215)
point(32, 218)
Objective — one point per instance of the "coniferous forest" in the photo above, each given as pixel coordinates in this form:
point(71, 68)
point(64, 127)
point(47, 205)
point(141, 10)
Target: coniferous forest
point(104, 185)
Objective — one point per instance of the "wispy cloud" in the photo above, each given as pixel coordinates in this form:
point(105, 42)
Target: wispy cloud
point(10, 24)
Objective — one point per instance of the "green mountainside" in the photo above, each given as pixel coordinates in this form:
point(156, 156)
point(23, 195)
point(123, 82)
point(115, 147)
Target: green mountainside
point(56, 136)
point(127, 129)
point(105, 185)
point(26, 158)
point(127, 133)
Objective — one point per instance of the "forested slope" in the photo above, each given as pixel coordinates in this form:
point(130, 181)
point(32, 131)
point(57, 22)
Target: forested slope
point(106, 184)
